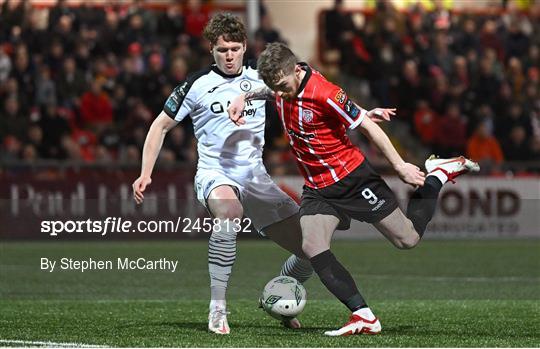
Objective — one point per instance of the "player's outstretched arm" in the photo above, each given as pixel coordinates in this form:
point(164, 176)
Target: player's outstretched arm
point(237, 105)
point(152, 145)
point(408, 173)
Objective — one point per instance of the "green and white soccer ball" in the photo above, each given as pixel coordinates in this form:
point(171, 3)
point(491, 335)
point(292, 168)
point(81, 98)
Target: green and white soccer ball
point(283, 297)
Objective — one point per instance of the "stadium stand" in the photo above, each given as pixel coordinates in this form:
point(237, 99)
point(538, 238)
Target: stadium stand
point(83, 83)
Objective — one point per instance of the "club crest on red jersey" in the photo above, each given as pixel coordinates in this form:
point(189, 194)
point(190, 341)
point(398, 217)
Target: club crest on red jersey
point(307, 115)
point(340, 97)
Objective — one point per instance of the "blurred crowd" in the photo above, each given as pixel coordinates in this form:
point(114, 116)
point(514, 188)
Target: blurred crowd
point(84, 83)
point(464, 83)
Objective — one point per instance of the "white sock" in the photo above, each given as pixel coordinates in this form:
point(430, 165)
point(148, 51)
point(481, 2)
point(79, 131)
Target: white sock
point(440, 175)
point(218, 304)
point(365, 313)
point(221, 257)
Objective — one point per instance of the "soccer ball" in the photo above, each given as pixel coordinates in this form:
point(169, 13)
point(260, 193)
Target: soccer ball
point(283, 297)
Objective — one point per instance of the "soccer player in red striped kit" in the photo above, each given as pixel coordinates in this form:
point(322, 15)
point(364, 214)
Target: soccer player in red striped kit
point(340, 184)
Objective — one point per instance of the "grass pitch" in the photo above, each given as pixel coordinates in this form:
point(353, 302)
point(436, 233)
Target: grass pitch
point(442, 293)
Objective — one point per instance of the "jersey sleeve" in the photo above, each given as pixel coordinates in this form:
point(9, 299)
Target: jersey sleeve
point(181, 102)
point(342, 107)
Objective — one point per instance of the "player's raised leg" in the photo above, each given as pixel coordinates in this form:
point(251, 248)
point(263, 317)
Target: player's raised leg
point(317, 231)
point(406, 231)
point(224, 205)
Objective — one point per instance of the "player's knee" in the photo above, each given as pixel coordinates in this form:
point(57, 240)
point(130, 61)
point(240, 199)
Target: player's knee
point(229, 211)
point(307, 247)
point(312, 247)
point(407, 242)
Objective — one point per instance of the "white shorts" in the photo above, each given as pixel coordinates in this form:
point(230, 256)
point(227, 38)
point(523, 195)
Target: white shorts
point(263, 201)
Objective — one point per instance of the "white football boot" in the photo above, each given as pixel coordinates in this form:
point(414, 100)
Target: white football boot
point(292, 322)
point(217, 322)
point(452, 167)
point(357, 325)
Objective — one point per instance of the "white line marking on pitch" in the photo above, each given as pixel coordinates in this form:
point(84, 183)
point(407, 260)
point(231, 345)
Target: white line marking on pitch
point(454, 278)
point(49, 344)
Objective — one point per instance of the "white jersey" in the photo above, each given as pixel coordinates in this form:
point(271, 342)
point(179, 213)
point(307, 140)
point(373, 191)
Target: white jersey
point(229, 154)
point(222, 145)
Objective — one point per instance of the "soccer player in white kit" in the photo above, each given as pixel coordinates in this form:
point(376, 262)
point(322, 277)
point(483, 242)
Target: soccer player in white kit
point(231, 180)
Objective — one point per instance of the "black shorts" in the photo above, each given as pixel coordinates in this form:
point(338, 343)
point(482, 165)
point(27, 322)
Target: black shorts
point(362, 195)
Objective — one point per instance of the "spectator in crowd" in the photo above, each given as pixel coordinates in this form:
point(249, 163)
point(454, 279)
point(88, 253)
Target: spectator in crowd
point(486, 84)
point(516, 78)
point(516, 42)
point(467, 38)
point(176, 143)
point(56, 127)
point(23, 72)
point(12, 15)
point(178, 71)
point(10, 149)
point(513, 116)
point(35, 139)
point(267, 32)
point(439, 94)
point(12, 120)
point(170, 24)
point(155, 78)
point(5, 66)
point(440, 54)
point(342, 35)
point(111, 35)
point(11, 89)
point(32, 34)
point(451, 132)
point(426, 123)
point(483, 114)
point(70, 84)
point(64, 34)
point(54, 57)
point(96, 108)
point(516, 147)
point(489, 38)
point(29, 153)
point(45, 87)
point(71, 148)
point(460, 79)
point(102, 155)
point(411, 88)
point(82, 145)
point(196, 17)
point(59, 10)
point(533, 58)
point(483, 148)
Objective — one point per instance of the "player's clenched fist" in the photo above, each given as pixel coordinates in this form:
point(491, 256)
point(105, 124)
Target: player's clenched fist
point(139, 186)
point(235, 110)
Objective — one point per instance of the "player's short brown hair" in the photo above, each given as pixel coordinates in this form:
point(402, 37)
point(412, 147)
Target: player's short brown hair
point(226, 24)
point(274, 62)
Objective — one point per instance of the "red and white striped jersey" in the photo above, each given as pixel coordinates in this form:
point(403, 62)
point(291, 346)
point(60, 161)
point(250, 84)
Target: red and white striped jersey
point(316, 122)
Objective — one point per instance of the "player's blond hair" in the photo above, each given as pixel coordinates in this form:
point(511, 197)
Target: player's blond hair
point(274, 62)
point(226, 25)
